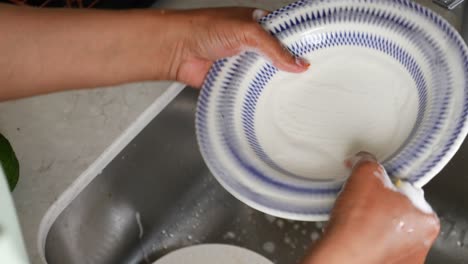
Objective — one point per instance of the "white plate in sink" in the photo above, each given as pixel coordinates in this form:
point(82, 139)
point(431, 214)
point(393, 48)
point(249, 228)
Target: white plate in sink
point(213, 254)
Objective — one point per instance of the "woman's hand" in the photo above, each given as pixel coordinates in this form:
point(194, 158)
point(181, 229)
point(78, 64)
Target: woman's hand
point(374, 223)
point(199, 37)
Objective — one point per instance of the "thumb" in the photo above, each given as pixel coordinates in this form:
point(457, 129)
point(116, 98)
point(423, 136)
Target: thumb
point(367, 173)
point(269, 46)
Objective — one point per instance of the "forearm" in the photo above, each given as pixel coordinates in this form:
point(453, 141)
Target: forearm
point(47, 50)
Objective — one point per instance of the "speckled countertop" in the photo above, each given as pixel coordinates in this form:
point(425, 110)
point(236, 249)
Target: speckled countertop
point(56, 137)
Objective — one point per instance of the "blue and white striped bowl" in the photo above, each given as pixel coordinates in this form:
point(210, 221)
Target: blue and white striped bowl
point(389, 77)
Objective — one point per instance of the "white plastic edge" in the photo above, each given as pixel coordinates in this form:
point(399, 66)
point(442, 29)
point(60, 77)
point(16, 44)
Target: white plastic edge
point(101, 162)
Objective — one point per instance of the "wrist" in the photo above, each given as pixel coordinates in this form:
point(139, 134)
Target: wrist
point(167, 33)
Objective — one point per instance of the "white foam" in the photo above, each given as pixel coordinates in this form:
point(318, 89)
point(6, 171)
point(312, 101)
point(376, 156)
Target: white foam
point(416, 196)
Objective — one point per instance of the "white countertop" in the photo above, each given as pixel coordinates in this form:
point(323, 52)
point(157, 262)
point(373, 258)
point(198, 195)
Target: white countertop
point(56, 137)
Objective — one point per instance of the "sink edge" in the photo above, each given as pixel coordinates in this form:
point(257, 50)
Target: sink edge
point(75, 188)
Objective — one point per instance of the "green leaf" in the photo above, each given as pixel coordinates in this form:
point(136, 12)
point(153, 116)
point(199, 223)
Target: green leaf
point(9, 162)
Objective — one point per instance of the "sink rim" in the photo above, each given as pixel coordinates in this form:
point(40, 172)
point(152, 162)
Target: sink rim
point(86, 177)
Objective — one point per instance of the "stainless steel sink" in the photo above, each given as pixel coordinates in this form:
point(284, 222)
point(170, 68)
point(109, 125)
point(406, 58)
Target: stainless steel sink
point(161, 182)
point(157, 195)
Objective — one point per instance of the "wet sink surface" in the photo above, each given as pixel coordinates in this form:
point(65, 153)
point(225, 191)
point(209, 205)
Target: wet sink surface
point(157, 195)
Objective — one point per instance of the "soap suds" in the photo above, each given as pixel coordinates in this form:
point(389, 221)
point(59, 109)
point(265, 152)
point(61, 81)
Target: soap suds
point(416, 196)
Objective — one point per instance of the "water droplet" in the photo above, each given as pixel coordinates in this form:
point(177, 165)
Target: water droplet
point(229, 235)
point(453, 233)
point(319, 224)
point(314, 236)
point(401, 224)
point(446, 227)
point(280, 223)
point(270, 218)
point(269, 247)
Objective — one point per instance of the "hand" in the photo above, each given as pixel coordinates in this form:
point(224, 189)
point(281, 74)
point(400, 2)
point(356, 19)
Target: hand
point(374, 223)
point(203, 36)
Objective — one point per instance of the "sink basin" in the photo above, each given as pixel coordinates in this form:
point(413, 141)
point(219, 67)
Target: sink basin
point(157, 195)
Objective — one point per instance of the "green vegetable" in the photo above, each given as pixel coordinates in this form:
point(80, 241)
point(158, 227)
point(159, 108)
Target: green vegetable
point(9, 162)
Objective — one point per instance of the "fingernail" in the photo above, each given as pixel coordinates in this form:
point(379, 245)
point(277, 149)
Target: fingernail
point(358, 158)
point(302, 62)
point(257, 14)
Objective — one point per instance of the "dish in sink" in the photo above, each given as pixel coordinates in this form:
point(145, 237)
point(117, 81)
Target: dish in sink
point(388, 77)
